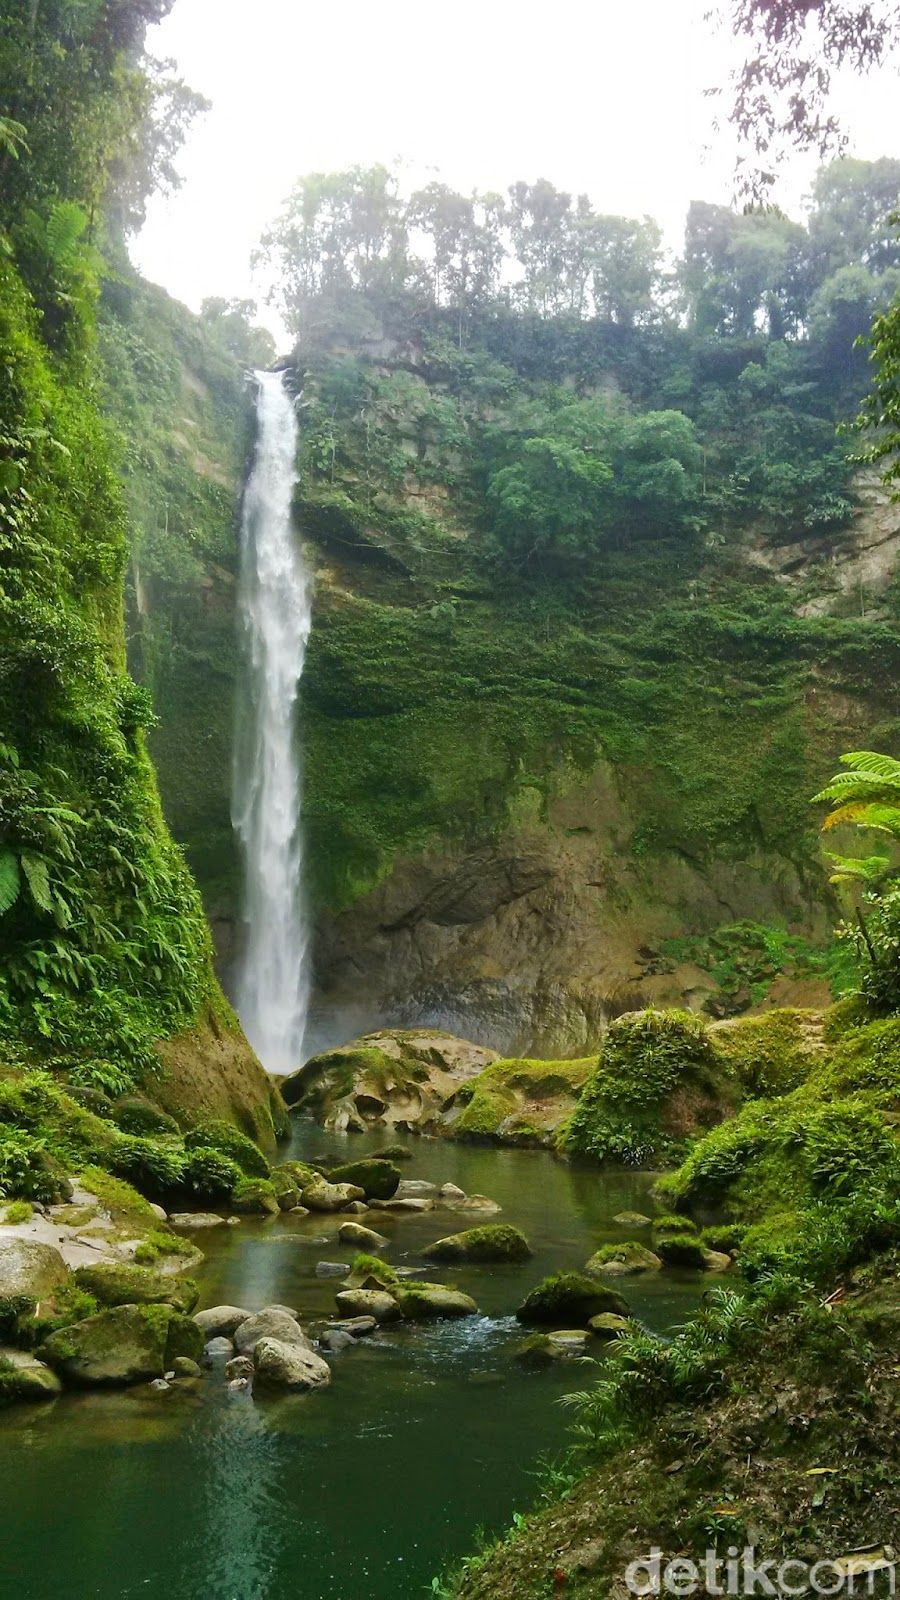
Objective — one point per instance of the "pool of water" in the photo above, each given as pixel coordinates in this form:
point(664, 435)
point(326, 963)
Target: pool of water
point(360, 1492)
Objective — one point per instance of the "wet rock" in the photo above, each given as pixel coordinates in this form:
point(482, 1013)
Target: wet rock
point(622, 1261)
point(239, 1386)
point(336, 1339)
point(121, 1345)
point(607, 1325)
point(115, 1283)
point(567, 1344)
point(195, 1219)
point(185, 1367)
point(472, 1202)
point(302, 1211)
point(357, 1327)
point(271, 1323)
point(220, 1320)
point(425, 1301)
point(361, 1238)
point(451, 1191)
point(414, 1188)
point(375, 1303)
point(414, 1203)
point(217, 1349)
point(289, 1366)
point(632, 1219)
point(378, 1180)
point(568, 1297)
point(239, 1367)
point(24, 1377)
point(29, 1272)
point(332, 1269)
point(325, 1196)
point(716, 1260)
point(160, 1214)
point(160, 1385)
point(492, 1243)
point(357, 1207)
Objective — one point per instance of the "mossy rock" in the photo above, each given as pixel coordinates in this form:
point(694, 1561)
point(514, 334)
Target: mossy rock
point(255, 1197)
point(665, 1226)
point(30, 1272)
point(543, 1349)
point(287, 1190)
point(681, 1250)
point(608, 1326)
point(120, 1284)
point(420, 1302)
point(565, 1298)
point(727, 1236)
point(379, 1180)
point(773, 1053)
point(300, 1173)
point(23, 1377)
point(491, 1243)
point(134, 1114)
point(121, 1345)
point(229, 1141)
point(368, 1272)
point(658, 1081)
point(184, 1340)
point(93, 1100)
point(622, 1260)
point(392, 1152)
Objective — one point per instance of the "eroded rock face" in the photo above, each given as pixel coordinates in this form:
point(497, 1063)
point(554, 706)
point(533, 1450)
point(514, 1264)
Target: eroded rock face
point(399, 1079)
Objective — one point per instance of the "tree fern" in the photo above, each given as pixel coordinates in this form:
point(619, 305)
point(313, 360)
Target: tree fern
point(10, 881)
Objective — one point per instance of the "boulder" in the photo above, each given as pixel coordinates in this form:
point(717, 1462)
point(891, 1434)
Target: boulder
point(220, 1320)
point(716, 1260)
point(608, 1326)
point(122, 1345)
point(567, 1344)
point(428, 1300)
point(29, 1272)
point(414, 1188)
point(356, 1208)
point(414, 1203)
point(682, 1250)
point(377, 1179)
point(491, 1243)
point(568, 1297)
point(472, 1202)
point(239, 1367)
point(217, 1349)
point(289, 1366)
point(271, 1323)
point(23, 1377)
point(362, 1238)
point(257, 1197)
point(114, 1283)
point(451, 1191)
point(321, 1195)
point(622, 1260)
point(186, 1367)
point(332, 1269)
point(357, 1327)
point(632, 1219)
point(375, 1303)
point(336, 1340)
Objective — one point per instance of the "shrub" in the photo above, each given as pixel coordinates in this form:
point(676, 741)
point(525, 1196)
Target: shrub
point(26, 1169)
point(221, 1136)
point(156, 1170)
point(136, 1115)
point(209, 1175)
point(657, 1079)
point(255, 1196)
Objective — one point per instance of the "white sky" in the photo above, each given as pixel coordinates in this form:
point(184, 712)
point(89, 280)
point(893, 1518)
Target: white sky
point(595, 95)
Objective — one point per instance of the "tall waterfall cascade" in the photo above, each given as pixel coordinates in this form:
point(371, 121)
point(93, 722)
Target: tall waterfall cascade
point(274, 614)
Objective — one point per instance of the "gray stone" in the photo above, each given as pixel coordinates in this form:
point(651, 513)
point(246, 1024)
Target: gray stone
point(195, 1219)
point(325, 1196)
point(362, 1238)
point(451, 1191)
point(413, 1203)
point(29, 1272)
point(289, 1366)
point(221, 1320)
point(160, 1385)
point(375, 1303)
point(632, 1219)
point(428, 1300)
point(335, 1340)
point(239, 1386)
point(218, 1349)
point(239, 1367)
point(184, 1367)
point(358, 1207)
point(332, 1269)
point(414, 1188)
point(271, 1323)
point(357, 1327)
point(159, 1212)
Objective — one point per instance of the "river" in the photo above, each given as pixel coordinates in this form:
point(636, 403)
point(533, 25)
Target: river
point(362, 1491)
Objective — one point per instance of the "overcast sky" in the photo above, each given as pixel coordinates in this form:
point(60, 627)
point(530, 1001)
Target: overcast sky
point(603, 97)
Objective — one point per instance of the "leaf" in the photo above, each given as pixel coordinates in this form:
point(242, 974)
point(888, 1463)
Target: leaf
point(35, 869)
point(10, 881)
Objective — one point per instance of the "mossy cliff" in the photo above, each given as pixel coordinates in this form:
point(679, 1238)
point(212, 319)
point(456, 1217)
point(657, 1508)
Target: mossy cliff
point(531, 801)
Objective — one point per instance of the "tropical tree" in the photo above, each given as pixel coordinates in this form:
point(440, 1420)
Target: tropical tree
point(866, 795)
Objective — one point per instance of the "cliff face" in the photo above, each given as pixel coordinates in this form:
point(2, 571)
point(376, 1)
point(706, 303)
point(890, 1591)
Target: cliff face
point(529, 805)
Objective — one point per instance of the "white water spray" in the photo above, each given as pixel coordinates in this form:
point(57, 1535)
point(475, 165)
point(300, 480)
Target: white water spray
point(274, 609)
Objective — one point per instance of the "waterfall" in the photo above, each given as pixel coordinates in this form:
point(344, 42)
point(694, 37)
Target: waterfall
point(274, 610)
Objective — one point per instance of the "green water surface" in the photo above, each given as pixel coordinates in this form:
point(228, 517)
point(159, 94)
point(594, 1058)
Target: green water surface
point(359, 1492)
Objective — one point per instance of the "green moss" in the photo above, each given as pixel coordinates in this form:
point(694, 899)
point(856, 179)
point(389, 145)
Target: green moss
point(229, 1141)
point(120, 1284)
point(20, 1211)
point(377, 1179)
point(769, 1054)
point(726, 1236)
point(680, 1250)
point(255, 1196)
point(365, 1267)
point(494, 1242)
point(658, 1079)
point(630, 1256)
point(134, 1114)
point(520, 1100)
point(569, 1299)
point(183, 1338)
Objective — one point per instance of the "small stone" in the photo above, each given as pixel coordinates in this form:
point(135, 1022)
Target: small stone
point(220, 1321)
point(239, 1367)
point(716, 1261)
point(159, 1212)
point(239, 1385)
point(357, 1327)
point(195, 1219)
point(301, 1211)
point(335, 1340)
point(289, 1366)
point(451, 1191)
point(412, 1203)
point(412, 1188)
point(218, 1350)
point(632, 1219)
point(232, 1222)
point(607, 1325)
point(186, 1368)
point(332, 1269)
point(375, 1303)
point(159, 1384)
point(361, 1238)
point(357, 1207)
